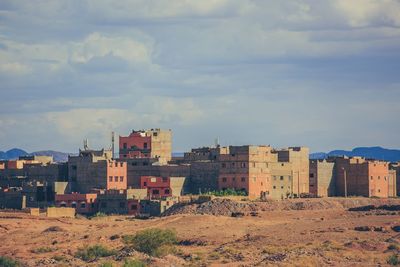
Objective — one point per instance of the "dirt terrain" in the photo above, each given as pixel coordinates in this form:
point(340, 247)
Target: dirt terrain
point(311, 232)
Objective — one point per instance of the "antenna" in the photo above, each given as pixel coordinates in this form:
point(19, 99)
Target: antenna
point(85, 144)
point(217, 142)
point(112, 144)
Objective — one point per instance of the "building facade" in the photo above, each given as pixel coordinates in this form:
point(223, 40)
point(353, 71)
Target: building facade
point(153, 143)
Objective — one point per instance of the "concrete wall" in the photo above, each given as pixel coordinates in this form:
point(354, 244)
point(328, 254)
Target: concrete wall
point(392, 183)
point(55, 212)
point(322, 178)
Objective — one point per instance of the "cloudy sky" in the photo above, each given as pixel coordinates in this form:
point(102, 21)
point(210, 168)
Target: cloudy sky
point(324, 74)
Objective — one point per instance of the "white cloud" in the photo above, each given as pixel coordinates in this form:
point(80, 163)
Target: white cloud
point(362, 13)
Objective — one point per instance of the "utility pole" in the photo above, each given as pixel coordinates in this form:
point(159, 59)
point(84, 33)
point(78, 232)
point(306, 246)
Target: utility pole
point(345, 181)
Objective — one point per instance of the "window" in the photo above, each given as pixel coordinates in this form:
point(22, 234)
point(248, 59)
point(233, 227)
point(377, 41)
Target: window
point(311, 175)
point(165, 179)
point(274, 178)
point(83, 205)
point(103, 204)
point(379, 177)
point(115, 178)
point(156, 192)
point(233, 179)
point(145, 163)
point(73, 205)
point(311, 185)
point(379, 190)
point(233, 164)
point(155, 134)
point(122, 204)
point(223, 165)
point(145, 183)
point(145, 145)
point(243, 179)
point(224, 180)
point(134, 207)
point(232, 155)
point(121, 178)
point(74, 167)
point(384, 178)
point(372, 178)
point(110, 178)
point(166, 191)
point(281, 187)
point(274, 187)
point(92, 205)
point(281, 178)
point(243, 165)
point(125, 157)
point(125, 145)
point(134, 163)
point(282, 164)
point(63, 205)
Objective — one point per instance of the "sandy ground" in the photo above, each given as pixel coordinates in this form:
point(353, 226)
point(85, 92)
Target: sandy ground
point(324, 237)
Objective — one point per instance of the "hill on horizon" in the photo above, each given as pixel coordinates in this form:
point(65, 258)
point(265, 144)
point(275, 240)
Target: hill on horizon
point(15, 153)
point(376, 152)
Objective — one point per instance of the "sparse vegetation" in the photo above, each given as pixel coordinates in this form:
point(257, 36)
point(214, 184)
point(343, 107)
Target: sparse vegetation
point(92, 253)
point(98, 215)
point(8, 262)
point(106, 264)
point(43, 250)
point(133, 263)
point(154, 242)
point(393, 260)
point(227, 192)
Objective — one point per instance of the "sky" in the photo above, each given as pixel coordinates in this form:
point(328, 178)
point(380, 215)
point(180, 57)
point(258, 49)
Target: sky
point(322, 74)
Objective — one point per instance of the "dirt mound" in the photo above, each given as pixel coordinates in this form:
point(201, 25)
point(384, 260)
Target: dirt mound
point(229, 207)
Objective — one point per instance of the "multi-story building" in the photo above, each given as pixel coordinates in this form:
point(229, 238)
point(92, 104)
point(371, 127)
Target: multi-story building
point(154, 143)
point(297, 170)
point(322, 178)
point(245, 168)
point(93, 169)
point(360, 177)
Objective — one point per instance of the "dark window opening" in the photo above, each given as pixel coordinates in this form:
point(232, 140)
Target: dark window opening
point(156, 192)
point(122, 204)
point(134, 207)
point(166, 191)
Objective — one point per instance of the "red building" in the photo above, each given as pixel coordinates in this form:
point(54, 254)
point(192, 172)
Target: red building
point(360, 177)
point(154, 143)
point(83, 203)
point(157, 187)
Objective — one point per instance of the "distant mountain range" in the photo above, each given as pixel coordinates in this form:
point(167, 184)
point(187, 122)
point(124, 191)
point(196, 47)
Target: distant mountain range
point(16, 152)
point(376, 152)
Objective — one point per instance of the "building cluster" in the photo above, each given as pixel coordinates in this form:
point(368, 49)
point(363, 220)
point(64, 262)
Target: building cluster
point(146, 179)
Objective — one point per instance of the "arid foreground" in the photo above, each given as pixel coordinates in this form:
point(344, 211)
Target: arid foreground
point(305, 232)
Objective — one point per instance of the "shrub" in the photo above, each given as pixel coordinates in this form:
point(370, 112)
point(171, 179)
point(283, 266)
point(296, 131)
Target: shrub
point(133, 263)
point(393, 260)
point(92, 253)
point(43, 250)
point(154, 242)
point(227, 192)
point(8, 262)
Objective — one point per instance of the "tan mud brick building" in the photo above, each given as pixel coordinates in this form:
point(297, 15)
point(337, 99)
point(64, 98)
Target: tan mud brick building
point(322, 178)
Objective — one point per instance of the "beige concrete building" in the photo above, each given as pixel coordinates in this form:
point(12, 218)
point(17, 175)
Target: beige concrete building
point(322, 178)
point(298, 157)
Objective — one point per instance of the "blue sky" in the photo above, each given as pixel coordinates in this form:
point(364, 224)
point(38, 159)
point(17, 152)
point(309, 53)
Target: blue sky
point(323, 74)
